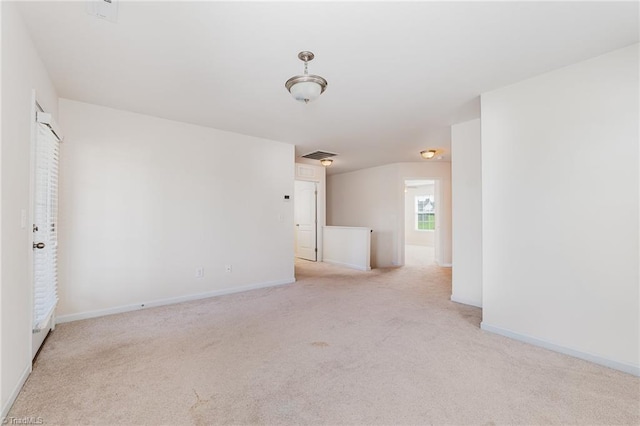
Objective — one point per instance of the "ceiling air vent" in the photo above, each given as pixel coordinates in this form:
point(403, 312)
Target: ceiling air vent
point(319, 155)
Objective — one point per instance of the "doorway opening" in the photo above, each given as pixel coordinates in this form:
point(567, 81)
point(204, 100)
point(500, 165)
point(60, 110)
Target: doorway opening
point(421, 222)
point(305, 213)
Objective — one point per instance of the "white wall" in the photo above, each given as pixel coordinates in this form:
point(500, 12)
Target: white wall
point(560, 161)
point(368, 198)
point(466, 201)
point(374, 198)
point(145, 201)
point(348, 246)
point(412, 235)
point(22, 71)
point(314, 173)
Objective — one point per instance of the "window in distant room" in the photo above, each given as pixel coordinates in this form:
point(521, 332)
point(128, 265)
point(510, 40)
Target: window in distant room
point(425, 213)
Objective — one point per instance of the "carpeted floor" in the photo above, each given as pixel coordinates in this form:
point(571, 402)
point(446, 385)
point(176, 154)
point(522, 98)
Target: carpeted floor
point(337, 347)
point(419, 255)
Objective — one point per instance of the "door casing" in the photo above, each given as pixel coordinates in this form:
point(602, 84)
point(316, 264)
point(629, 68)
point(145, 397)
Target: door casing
point(306, 219)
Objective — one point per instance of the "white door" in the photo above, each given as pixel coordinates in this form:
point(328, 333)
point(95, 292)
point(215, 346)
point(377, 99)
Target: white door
point(45, 234)
point(306, 219)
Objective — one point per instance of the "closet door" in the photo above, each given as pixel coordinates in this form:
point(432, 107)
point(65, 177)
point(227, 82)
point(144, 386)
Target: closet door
point(45, 234)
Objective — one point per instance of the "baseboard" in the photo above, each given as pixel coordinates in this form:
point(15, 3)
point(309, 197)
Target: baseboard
point(169, 301)
point(445, 265)
point(14, 394)
point(465, 301)
point(616, 365)
point(348, 265)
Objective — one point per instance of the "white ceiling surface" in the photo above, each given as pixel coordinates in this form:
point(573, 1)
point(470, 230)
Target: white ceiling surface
point(399, 73)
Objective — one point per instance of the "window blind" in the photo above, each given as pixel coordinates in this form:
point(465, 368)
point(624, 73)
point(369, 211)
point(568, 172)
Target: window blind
point(45, 264)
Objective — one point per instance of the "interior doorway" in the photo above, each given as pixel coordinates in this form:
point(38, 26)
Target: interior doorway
point(305, 213)
point(421, 222)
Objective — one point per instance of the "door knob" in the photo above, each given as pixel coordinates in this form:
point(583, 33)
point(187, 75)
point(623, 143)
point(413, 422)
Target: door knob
point(297, 224)
point(38, 245)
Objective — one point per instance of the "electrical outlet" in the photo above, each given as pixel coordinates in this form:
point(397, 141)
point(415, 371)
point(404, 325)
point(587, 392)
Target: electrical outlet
point(199, 272)
point(228, 268)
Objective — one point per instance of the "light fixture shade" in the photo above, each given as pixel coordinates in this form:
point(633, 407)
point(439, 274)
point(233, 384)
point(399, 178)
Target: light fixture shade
point(428, 154)
point(306, 91)
point(326, 162)
point(306, 87)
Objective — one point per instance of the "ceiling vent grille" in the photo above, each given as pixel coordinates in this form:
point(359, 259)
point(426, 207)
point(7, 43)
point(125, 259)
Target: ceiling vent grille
point(319, 155)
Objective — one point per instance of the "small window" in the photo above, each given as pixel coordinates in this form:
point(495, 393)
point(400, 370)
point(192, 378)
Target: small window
point(425, 213)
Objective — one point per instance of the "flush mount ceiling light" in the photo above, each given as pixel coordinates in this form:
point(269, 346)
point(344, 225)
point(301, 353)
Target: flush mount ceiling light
point(326, 162)
point(428, 154)
point(307, 87)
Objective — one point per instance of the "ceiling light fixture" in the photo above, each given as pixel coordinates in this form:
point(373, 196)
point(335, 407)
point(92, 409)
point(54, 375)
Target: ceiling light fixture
point(428, 154)
point(326, 162)
point(307, 87)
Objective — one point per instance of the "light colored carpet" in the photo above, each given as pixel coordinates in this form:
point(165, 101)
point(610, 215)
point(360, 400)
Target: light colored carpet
point(338, 347)
point(419, 255)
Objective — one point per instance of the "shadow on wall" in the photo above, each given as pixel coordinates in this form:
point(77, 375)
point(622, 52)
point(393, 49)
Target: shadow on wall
point(374, 249)
point(379, 239)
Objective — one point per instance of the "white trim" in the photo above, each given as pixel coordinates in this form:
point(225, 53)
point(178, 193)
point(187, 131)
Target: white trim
point(348, 265)
point(35, 107)
point(170, 301)
point(15, 392)
point(445, 265)
point(616, 365)
point(47, 120)
point(465, 301)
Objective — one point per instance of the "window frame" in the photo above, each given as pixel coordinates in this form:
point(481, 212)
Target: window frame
point(430, 221)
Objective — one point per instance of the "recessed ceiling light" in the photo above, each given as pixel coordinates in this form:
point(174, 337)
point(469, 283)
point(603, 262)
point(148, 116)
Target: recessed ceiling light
point(326, 162)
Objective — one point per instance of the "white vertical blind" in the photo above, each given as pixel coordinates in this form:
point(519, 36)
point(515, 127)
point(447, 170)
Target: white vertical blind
point(45, 267)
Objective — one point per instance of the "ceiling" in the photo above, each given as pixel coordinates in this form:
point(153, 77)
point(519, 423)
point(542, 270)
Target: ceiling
point(399, 73)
